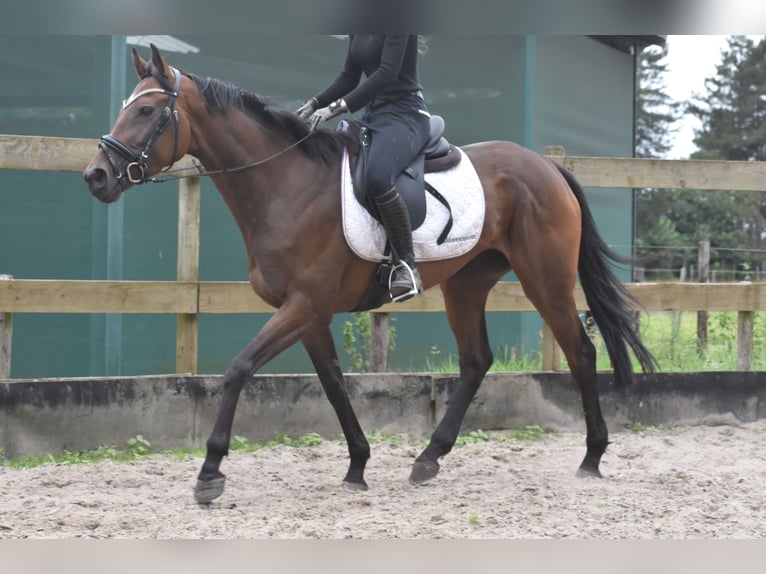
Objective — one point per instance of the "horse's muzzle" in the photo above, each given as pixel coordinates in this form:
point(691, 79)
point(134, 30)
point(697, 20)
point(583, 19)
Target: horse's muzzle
point(101, 185)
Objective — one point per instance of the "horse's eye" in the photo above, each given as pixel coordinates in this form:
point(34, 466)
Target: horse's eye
point(145, 110)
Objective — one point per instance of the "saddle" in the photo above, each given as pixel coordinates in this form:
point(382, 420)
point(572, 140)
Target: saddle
point(437, 155)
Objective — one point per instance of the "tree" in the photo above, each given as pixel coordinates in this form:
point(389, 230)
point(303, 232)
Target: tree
point(733, 111)
point(656, 113)
point(733, 117)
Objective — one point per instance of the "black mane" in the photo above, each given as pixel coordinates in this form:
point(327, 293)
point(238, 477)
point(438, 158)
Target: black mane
point(219, 95)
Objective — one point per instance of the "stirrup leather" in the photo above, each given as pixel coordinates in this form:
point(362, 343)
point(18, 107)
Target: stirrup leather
point(414, 280)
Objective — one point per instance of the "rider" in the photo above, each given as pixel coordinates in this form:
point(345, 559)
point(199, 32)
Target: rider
point(398, 120)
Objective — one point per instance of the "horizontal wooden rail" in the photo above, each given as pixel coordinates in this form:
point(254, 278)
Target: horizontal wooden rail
point(187, 298)
point(71, 154)
point(666, 173)
point(43, 153)
point(53, 296)
point(700, 296)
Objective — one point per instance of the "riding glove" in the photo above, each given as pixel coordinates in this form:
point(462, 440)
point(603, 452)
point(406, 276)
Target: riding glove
point(308, 108)
point(323, 114)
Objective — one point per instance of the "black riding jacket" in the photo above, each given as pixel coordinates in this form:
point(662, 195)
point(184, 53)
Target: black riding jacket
point(390, 64)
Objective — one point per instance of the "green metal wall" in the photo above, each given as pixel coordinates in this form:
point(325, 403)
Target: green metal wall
point(49, 228)
point(571, 91)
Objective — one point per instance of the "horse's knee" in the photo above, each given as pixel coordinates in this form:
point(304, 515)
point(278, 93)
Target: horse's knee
point(236, 373)
point(475, 365)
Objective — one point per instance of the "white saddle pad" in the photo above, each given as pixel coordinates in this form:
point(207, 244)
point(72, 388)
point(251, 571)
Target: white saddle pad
point(459, 185)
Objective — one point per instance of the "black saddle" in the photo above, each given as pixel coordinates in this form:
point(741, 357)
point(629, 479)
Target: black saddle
point(437, 155)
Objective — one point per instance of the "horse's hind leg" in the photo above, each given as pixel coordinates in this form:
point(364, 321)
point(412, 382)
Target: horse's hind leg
point(465, 295)
point(581, 356)
point(551, 292)
point(321, 348)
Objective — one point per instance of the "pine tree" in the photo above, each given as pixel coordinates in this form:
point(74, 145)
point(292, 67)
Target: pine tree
point(656, 113)
point(733, 111)
point(733, 116)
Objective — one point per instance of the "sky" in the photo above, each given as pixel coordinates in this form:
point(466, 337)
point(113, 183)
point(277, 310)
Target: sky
point(690, 60)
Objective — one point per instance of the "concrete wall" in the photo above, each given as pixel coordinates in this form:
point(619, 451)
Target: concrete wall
point(50, 416)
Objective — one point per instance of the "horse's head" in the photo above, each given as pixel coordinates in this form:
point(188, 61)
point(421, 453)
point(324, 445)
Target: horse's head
point(147, 135)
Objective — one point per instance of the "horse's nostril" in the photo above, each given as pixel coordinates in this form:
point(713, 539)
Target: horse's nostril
point(95, 175)
point(96, 179)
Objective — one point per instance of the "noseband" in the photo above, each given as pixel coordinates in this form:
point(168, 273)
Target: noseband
point(137, 170)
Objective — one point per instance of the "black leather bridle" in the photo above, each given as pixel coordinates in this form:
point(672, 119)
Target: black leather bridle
point(137, 169)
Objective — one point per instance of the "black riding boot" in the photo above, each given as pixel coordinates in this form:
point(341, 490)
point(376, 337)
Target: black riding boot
point(404, 281)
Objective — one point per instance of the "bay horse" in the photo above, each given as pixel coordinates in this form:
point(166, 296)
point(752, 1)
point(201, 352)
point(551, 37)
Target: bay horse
point(281, 183)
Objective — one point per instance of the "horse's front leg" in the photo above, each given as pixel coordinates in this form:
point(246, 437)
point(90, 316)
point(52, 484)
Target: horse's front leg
point(284, 328)
point(321, 348)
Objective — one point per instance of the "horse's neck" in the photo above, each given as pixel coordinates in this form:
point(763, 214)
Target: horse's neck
point(257, 196)
point(229, 141)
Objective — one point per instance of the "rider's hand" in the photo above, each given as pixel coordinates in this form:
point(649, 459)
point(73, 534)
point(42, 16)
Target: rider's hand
point(323, 114)
point(308, 108)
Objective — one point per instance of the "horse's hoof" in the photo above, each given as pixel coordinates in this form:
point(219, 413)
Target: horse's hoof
point(422, 472)
point(361, 486)
point(588, 472)
point(207, 491)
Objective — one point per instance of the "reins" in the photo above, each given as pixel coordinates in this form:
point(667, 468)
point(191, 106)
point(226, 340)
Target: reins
point(201, 172)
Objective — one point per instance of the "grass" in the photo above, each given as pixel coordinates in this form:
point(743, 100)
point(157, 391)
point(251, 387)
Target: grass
point(135, 448)
point(139, 447)
point(508, 361)
point(670, 336)
point(529, 433)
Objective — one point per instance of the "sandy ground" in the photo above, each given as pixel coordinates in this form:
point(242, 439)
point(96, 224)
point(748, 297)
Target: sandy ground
point(698, 482)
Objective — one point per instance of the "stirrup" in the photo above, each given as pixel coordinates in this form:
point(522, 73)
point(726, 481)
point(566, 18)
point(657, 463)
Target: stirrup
point(414, 280)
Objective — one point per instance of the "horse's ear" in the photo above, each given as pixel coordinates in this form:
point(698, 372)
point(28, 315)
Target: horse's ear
point(140, 64)
point(159, 64)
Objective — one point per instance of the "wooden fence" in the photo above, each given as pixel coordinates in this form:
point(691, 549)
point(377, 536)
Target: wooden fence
point(187, 297)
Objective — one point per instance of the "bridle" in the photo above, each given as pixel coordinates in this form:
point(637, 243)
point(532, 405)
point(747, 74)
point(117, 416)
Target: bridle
point(137, 170)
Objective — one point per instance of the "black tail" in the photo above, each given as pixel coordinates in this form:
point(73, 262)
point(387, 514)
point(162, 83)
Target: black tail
point(611, 304)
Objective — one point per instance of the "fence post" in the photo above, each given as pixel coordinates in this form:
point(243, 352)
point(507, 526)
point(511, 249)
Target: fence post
point(744, 340)
point(703, 261)
point(188, 270)
point(379, 343)
point(555, 150)
point(551, 352)
point(6, 336)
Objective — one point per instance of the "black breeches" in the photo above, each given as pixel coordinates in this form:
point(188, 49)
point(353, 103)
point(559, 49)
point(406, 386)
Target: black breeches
point(399, 131)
